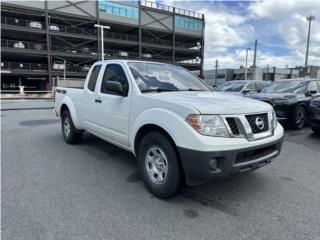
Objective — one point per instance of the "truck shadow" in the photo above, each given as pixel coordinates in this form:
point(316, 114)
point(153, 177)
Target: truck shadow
point(223, 195)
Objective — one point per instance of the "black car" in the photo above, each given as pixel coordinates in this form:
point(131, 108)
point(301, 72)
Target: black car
point(314, 114)
point(290, 99)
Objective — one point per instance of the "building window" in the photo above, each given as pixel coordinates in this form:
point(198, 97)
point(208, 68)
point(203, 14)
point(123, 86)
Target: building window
point(188, 23)
point(118, 9)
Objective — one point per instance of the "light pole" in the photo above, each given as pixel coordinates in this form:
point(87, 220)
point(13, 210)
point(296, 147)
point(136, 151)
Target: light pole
point(102, 27)
point(309, 19)
point(246, 68)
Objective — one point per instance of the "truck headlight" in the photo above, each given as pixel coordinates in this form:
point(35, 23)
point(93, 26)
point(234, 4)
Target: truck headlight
point(209, 125)
point(274, 120)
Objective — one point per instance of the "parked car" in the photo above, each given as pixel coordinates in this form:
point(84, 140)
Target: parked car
point(58, 65)
point(290, 99)
point(86, 50)
point(178, 129)
point(38, 46)
point(19, 45)
point(146, 55)
point(35, 24)
point(241, 87)
point(123, 54)
point(54, 27)
point(85, 68)
point(314, 115)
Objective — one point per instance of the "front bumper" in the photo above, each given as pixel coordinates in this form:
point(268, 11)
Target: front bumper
point(230, 162)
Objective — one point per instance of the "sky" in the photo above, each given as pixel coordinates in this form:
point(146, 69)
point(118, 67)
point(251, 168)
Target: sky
point(279, 26)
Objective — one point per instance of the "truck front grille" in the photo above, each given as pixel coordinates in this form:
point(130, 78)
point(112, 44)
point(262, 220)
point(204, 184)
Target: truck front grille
point(233, 126)
point(258, 122)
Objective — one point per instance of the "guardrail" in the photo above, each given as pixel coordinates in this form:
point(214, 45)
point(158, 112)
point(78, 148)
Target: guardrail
point(87, 31)
point(24, 66)
point(167, 8)
point(23, 45)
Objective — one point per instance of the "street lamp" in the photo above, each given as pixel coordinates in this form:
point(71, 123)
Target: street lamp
point(309, 19)
point(246, 68)
point(102, 27)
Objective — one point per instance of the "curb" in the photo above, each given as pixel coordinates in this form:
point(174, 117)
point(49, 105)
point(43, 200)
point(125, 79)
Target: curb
point(13, 109)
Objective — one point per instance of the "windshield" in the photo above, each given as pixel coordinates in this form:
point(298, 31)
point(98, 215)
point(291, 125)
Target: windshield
point(164, 77)
point(231, 86)
point(286, 87)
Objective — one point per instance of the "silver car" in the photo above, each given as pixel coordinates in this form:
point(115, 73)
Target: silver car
point(241, 87)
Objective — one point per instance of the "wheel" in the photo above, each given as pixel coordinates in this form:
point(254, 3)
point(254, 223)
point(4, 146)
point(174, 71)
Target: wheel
point(299, 117)
point(158, 165)
point(70, 134)
point(316, 130)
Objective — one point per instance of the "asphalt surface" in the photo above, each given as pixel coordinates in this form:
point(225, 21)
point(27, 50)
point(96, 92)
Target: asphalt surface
point(52, 190)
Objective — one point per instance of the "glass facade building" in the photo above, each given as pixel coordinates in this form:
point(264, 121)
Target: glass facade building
point(188, 23)
point(118, 9)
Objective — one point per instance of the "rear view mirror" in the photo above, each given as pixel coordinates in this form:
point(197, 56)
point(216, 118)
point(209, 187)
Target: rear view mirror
point(113, 86)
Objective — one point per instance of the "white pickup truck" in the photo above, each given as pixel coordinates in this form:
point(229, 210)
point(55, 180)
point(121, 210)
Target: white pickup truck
point(179, 130)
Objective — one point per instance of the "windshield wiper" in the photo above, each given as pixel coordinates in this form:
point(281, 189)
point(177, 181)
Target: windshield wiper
point(191, 89)
point(158, 90)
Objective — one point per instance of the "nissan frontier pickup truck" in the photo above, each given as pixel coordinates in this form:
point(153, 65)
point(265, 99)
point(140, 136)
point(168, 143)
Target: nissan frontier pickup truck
point(179, 130)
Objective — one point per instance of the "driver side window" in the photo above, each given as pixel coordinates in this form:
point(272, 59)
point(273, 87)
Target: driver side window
point(114, 72)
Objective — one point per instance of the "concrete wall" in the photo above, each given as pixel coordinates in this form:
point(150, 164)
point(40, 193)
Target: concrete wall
point(88, 8)
point(35, 3)
point(115, 18)
point(188, 32)
point(148, 21)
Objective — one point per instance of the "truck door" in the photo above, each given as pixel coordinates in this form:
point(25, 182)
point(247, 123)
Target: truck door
point(113, 107)
point(89, 104)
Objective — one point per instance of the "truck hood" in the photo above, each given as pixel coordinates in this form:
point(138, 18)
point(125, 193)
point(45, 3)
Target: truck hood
point(214, 102)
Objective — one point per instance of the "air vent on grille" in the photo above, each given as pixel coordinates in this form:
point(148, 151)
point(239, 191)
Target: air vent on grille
point(258, 122)
point(233, 126)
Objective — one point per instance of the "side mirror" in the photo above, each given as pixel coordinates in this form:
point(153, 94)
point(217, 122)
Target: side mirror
point(113, 86)
point(311, 93)
point(246, 91)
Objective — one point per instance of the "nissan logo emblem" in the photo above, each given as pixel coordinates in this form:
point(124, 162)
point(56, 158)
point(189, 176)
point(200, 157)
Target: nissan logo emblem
point(259, 123)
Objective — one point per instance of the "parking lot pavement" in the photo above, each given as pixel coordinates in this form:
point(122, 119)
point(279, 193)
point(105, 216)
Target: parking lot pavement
point(51, 190)
point(26, 104)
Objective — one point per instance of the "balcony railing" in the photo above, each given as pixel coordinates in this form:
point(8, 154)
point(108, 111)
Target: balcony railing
point(30, 67)
point(92, 32)
point(167, 8)
point(25, 23)
point(121, 36)
point(23, 45)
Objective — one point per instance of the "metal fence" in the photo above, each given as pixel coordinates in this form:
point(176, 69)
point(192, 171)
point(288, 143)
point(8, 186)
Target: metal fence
point(24, 66)
point(83, 31)
point(167, 8)
point(23, 45)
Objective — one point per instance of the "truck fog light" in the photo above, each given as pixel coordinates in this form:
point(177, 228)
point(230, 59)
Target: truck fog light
point(213, 164)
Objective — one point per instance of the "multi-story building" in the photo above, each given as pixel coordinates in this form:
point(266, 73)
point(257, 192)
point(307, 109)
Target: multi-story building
point(44, 39)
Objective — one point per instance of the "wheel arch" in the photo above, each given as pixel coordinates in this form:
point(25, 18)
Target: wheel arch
point(67, 104)
point(147, 128)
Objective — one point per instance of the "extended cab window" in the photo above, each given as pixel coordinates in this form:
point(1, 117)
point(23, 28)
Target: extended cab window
point(114, 72)
point(93, 77)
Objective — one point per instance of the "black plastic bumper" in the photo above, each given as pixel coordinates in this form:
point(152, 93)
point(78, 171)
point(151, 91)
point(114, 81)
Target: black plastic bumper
point(196, 163)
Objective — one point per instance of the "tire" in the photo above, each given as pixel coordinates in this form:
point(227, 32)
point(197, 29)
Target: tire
point(70, 133)
point(158, 165)
point(298, 120)
point(316, 131)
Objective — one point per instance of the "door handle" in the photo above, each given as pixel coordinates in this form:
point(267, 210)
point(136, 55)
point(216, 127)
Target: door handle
point(98, 100)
